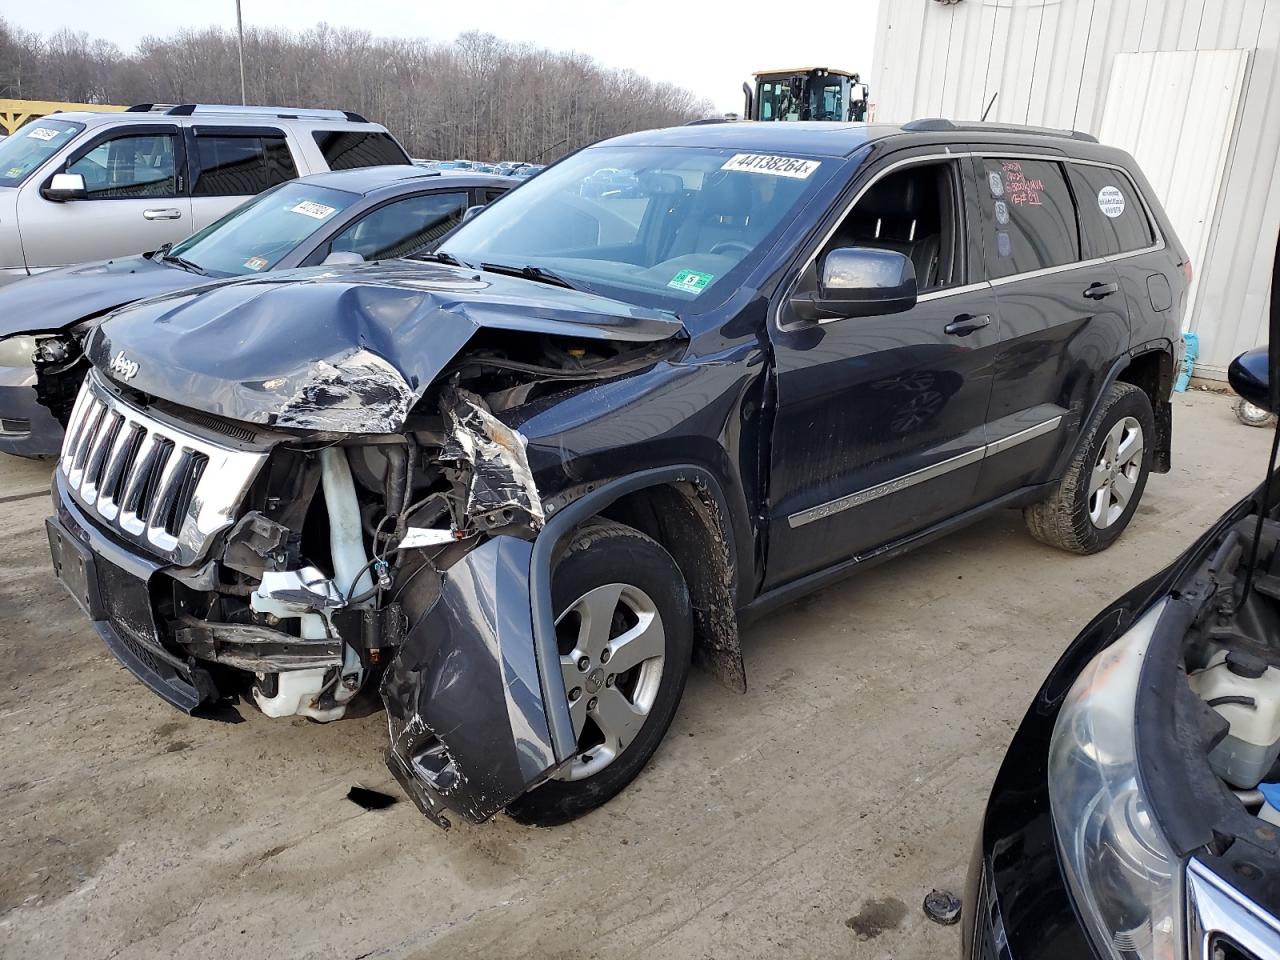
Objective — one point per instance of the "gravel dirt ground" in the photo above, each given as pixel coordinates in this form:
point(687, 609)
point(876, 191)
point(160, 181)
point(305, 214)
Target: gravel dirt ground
point(807, 818)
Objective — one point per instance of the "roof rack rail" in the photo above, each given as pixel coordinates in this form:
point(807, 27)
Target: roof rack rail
point(934, 124)
point(705, 120)
point(281, 113)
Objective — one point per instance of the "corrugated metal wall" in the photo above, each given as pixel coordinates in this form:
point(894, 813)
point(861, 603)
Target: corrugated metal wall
point(1050, 62)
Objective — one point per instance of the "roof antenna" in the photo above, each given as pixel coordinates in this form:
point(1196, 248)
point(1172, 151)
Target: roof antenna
point(989, 106)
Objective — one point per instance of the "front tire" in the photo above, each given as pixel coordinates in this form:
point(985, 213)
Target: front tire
point(625, 631)
point(1095, 500)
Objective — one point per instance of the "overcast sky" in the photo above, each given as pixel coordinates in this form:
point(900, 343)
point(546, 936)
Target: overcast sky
point(709, 47)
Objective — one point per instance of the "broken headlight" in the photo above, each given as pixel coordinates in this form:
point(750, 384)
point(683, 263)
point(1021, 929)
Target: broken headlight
point(17, 351)
point(1125, 879)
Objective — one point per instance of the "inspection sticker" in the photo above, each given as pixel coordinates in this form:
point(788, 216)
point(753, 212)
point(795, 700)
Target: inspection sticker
point(691, 281)
point(1111, 201)
point(256, 263)
point(42, 133)
point(792, 167)
point(13, 172)
point(309, 208)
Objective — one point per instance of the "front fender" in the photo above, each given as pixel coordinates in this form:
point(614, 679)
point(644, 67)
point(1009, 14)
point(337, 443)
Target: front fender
point(477, 710)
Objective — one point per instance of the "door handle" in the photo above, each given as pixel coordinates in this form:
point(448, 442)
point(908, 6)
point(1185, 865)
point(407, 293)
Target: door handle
point(164, 213)
point(1096, 291)
point(965, 324)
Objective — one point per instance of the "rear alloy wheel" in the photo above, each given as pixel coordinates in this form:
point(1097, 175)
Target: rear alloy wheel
point(625, 633)
point(1116, 473)
point(1094, 501)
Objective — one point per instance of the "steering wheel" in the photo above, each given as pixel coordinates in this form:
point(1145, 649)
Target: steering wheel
point(731, 245)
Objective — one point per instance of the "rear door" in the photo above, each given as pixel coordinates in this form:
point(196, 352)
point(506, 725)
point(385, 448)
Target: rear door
point(230, 164)
point(137, 199)
point(1062, 316)
point(880, 427)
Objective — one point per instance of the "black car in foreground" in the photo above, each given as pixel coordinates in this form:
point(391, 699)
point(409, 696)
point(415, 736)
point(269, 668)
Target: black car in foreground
point(1135, 814)
point(522, 485)
point(367, 213)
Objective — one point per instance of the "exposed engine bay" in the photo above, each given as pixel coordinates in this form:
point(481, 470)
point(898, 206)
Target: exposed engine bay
point(310, 583)
point(1229, 623)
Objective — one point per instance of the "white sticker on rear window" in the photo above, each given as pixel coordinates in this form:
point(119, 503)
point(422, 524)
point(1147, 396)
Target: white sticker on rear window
point(42, 133)
point(792, 167)
point(309, 208)
point(1111, 201)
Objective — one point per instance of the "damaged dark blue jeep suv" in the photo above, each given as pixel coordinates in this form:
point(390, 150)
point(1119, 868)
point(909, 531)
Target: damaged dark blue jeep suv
point(519, 487)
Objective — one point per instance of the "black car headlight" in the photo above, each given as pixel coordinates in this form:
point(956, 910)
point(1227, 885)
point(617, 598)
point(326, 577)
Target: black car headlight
point(1123, 875)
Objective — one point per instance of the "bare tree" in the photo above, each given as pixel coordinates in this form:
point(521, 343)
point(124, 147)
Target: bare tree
point(478, 96)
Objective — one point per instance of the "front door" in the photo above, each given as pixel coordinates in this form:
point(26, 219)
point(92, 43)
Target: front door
point(880, 424)
point(137, 199)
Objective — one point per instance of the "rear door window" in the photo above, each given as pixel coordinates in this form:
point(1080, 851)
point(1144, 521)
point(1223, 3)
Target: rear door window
point(1111, 211)
point(348, 149)
point(1029, 219)
point(240, 166)
point(130, 166)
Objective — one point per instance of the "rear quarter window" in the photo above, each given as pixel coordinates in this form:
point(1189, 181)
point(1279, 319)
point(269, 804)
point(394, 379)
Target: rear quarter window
point(1029, 219)
point(348, 149)
point(1111, 210)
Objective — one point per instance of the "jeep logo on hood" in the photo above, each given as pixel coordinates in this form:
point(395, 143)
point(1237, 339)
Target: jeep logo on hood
point(123, 367)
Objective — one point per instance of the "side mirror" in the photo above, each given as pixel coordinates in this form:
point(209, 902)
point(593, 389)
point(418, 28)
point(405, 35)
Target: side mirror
point(1249, 377)
point(472, 211)
point(859, 282)
point(342, 258)
point(65, 186)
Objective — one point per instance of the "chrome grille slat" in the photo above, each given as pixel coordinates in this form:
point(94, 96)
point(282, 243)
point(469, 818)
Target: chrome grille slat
point(150, 481)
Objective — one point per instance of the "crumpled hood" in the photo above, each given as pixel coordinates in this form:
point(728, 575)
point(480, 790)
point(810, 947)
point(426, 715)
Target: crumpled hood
point(347, 349)
point(56, 299)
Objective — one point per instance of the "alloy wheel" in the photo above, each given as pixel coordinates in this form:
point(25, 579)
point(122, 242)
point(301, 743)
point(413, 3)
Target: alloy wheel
point(612, 650)
point(1115, 474)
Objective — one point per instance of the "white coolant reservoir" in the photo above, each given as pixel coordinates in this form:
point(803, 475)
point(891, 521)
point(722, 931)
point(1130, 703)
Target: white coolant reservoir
point(1246, 692)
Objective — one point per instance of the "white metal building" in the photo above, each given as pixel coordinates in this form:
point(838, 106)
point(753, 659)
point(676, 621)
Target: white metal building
point(1189, 87)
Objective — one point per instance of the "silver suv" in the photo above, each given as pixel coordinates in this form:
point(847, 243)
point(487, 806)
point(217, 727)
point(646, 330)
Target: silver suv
point(86, 186)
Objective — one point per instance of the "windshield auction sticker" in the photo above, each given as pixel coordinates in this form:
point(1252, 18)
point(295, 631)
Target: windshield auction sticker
point(792, 167)
point(42, 133)
point(256, 263)
point(691, 281)
point(1111, 201)
point(309, 208)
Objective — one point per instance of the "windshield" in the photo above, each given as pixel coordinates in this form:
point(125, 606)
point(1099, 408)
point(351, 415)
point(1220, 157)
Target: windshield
point(257, 235)
point(655, 226)
point(23, 152)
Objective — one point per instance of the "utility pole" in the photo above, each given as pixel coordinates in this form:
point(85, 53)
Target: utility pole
point(240, 47)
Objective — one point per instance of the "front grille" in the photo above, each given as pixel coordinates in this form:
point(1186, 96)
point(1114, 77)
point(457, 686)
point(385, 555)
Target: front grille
point(156, 485)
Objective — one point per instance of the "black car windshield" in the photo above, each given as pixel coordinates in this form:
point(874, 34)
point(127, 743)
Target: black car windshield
point(666, 227)
point(24, 151)
point(257, 235)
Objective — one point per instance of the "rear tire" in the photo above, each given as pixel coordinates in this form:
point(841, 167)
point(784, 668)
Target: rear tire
point(625, 677)
point(1095, 499)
